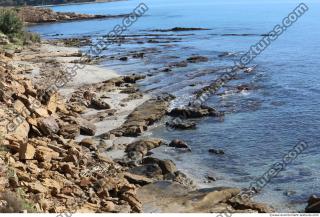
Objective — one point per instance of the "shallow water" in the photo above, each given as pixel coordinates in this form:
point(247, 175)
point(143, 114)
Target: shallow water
point(261, 125)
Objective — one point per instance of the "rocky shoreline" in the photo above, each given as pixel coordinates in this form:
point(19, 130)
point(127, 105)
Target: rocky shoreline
point(80, 150)
point(36, 15)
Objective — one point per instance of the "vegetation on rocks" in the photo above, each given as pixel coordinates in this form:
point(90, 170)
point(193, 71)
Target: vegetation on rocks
point(12, 29)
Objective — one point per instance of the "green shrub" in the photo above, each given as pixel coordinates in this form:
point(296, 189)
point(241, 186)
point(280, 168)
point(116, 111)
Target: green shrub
point(10, 23)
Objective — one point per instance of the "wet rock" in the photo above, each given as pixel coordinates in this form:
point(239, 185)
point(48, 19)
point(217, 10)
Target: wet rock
point(313, 205)
point(216, 151)
point(180, 64)
point(179, 29)
point(176, 143)
point(195, 112)
point(181, 125)
point(289, 193)
point(133, 78)
point(211, 178)
point(123, 58)
point(197, 59)
point(99, 104)
point(138, 55)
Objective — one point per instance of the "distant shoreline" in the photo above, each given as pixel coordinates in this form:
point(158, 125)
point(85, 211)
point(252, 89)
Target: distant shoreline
point(79, 3)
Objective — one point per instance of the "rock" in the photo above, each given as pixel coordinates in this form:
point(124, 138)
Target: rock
point(48, 126)
point(69, 131)
point(133, 78)
point(195, 112)
point(26, 152)
point(241, 204)
point(87, 128)
point(52, 103)
point(34, 106)
point(89, 143)
point(168, 197)
point(179, 144)
point(44, 15)
point(142, 117)
point(149, 170)
point(178, 64)
point(53, 185)
point(216, 151)
point(182, 125)
point(21, 108)
point(108, 206)
point(45, 154)
point(137, 179)
point(211, 178)
point(167, 166)
point(313, 205)
point(179, 29)
point(123, 58)
point(35, 187)
point(197, 59)
point(99, 104)
point(20, 129)
point(140, 148)
point(135, 204)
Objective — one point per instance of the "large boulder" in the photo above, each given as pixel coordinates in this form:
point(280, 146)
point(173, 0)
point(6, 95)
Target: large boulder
point(313, 205)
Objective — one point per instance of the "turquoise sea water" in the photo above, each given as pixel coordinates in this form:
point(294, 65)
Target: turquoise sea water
point(261, 125)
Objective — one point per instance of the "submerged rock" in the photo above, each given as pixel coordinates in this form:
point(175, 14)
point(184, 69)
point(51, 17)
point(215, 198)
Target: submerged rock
point(216, 151)
point(179, 29)
point(197, 59)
